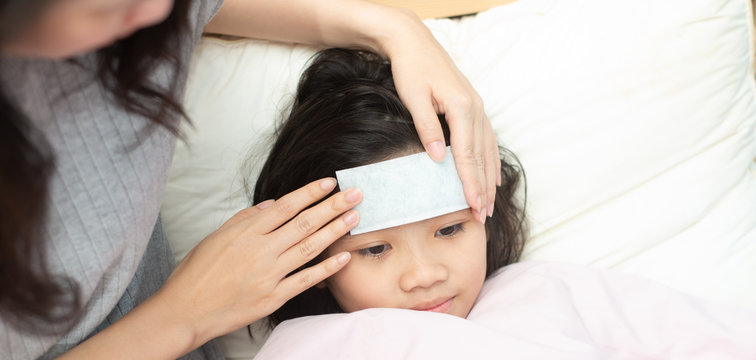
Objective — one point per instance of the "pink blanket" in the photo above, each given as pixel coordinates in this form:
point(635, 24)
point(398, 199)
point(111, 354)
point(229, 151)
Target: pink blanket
point(534, 311)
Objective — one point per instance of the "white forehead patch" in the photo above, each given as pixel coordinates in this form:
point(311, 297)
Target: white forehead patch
point(404, 190)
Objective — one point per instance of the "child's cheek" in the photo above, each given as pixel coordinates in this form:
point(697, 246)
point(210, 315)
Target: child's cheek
point(353, 287)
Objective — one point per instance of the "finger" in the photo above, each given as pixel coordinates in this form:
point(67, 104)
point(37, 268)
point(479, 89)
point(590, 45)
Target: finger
point(310, 220)
point(468, 162)
point(310, 247)
point(305, 279)
point(493, 165)
point(288, 206)
point(479, 142)
point(426, 122)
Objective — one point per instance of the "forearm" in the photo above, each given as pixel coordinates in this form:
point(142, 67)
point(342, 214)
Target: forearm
point(337, 23)
point(444, 8)
point(150, 331)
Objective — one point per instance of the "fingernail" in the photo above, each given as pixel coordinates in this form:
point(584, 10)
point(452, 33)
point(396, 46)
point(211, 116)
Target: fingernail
point(353, 195)
point(490, 210)
point(482, 217)
point(328, 184)
point(479, 204)
point(437, 150)
point(343, 258)
point(264, 204)
point(350, 218)
point(498, 179)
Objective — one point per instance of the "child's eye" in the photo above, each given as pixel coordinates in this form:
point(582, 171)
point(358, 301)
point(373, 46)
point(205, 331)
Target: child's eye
point(374, 251)
point(449, 231)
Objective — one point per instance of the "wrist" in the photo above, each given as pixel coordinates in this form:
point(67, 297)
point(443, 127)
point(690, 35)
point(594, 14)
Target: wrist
point(371, 26)
point(177, 328)
point(152, 330)
point(393, 29)
point(399, 30)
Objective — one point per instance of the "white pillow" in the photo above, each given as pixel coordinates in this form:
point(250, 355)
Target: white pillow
point(635, 122)
point(636, 125)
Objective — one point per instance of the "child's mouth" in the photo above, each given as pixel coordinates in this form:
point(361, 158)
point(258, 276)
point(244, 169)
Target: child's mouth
point(440, 306)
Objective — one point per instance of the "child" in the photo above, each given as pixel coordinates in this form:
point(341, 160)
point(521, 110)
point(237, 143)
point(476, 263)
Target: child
point(346, 114)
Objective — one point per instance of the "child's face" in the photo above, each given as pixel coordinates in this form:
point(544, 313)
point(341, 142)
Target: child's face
point(437, 265)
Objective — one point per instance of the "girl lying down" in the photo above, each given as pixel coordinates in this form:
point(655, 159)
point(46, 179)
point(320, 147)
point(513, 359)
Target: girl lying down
point(346, 114)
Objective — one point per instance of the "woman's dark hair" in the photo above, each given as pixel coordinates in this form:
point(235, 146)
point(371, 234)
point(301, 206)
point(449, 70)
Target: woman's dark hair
point(30, 295)
point(347, 113)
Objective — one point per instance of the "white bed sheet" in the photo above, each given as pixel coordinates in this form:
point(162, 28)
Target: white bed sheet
point(534, 311)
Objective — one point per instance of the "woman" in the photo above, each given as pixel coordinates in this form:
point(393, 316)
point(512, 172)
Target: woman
point(90, 110)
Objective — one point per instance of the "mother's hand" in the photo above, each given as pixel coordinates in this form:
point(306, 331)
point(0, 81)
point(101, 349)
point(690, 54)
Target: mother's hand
point(238, 274)
point(429, 83)
point(426, 78)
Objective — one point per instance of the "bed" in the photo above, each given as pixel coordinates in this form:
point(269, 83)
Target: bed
point(635, 122)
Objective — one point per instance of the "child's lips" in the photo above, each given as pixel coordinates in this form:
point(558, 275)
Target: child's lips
point(439, 305)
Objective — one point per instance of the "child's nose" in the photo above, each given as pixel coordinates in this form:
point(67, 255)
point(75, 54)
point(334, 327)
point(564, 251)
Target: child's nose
point(422, 273)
